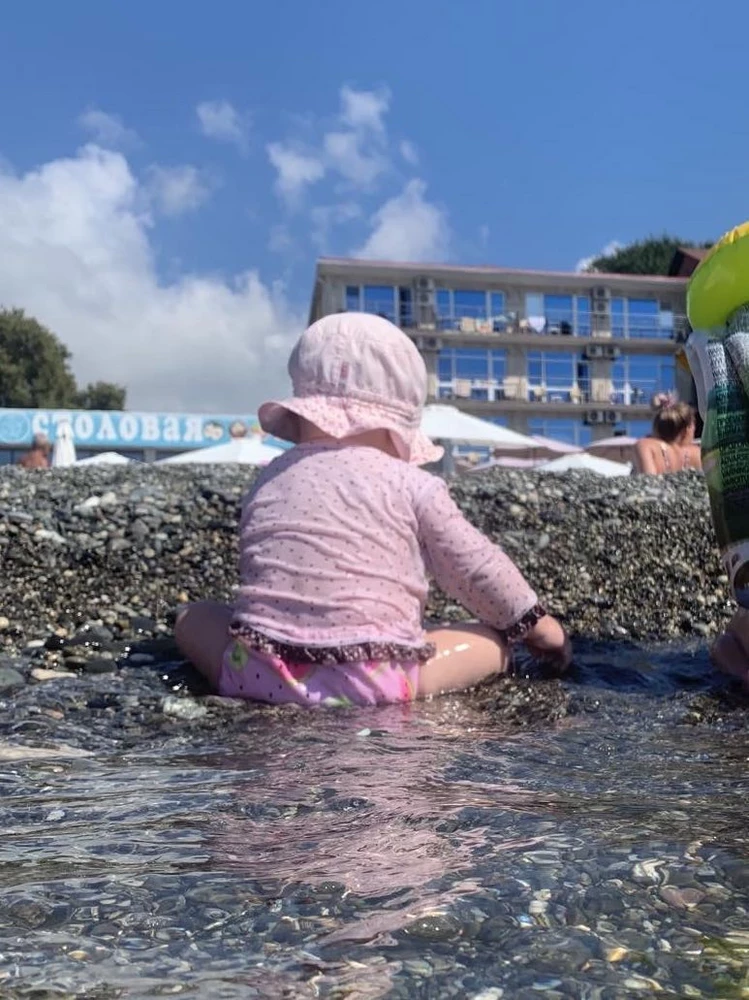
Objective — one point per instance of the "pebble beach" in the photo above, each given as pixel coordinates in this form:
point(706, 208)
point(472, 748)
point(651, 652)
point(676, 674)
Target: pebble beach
point(156, 842)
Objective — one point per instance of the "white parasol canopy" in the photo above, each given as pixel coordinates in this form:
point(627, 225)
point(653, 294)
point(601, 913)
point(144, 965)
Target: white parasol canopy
point(105, 458)
point(63, 453)
point(554, 446)
point(447, 423)
point(620, 447)
point(506, 462)
point(238, 451)
point(585, 463)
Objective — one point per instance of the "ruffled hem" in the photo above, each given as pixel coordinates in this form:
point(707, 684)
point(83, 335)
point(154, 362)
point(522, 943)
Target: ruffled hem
point(518, 631)
point(330, 655)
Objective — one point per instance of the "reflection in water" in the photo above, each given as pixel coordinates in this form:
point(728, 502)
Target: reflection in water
point(402, 852)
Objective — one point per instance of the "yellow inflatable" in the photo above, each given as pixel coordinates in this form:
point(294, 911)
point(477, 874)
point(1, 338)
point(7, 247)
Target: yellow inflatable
point(720, 285)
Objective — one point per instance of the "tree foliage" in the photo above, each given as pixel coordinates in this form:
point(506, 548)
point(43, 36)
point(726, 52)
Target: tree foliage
point(650, 256)
point(35, 370)
point(101, 396)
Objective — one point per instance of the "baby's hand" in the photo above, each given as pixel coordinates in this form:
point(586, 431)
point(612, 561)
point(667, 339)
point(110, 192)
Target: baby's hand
point(548, 642)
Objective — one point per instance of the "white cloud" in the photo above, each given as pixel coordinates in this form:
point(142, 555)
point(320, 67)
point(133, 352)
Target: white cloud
point(76, 252)
point(325, 217)
point(408, 228)
point(364, 109)
point(409, 152)
point(586, 263)
point(220, 120)
point(345, 154)
point(107, 130)
point(356, 149)
point(296, 170)
point(279, 239)
point(176, 190)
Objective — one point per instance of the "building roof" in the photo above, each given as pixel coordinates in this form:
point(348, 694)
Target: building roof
point(685, 261)
point(344, 267)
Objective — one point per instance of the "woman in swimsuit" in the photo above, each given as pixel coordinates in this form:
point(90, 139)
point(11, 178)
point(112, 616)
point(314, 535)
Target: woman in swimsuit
point(670, 447)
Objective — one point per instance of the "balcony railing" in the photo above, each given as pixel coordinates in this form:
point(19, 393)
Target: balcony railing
point(562, 323)
point(615, 393)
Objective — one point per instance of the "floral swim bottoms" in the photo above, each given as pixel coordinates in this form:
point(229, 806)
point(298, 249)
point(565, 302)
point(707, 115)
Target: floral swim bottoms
point(258, 676)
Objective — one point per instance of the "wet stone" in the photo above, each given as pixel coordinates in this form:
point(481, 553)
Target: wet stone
point(10, 679)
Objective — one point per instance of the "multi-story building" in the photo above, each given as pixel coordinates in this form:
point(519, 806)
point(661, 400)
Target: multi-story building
point(573, 356)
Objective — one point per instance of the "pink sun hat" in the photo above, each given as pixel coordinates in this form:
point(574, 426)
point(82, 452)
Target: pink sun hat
point(351, 373)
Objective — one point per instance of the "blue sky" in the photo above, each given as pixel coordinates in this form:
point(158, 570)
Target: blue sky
point(171, 170)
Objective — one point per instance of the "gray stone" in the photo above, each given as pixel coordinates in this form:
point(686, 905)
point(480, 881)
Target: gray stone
point(10, 679)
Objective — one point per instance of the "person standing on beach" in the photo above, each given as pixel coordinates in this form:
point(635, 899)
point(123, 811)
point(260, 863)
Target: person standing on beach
point(37, 457)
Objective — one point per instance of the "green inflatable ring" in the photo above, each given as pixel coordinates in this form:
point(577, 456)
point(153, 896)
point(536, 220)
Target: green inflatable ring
point(720, 285)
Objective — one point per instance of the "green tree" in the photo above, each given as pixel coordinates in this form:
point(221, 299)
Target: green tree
point(34, 364)
point(101, 396)
point(650, 256)
point(35, 370)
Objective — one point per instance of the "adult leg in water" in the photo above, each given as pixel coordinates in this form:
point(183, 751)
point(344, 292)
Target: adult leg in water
point(202, 634)
point(466, 654)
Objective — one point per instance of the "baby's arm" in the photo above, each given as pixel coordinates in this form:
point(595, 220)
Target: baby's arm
point(479, 574)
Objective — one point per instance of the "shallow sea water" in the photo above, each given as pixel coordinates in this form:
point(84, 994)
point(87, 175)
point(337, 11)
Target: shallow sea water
point(422, 851)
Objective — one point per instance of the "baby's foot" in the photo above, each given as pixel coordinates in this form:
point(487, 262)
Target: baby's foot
point(730, 651)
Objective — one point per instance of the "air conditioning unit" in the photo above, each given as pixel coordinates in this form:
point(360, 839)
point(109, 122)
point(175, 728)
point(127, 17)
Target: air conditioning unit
point(613, 417)
point(595, 417)
point(600, 307)
point(601, 293)
point(425, 284)
point(594, 351)
point(611, 351)
point(425, 298)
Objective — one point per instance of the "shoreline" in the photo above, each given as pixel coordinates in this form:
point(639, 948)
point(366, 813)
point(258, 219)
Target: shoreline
point(96, 560)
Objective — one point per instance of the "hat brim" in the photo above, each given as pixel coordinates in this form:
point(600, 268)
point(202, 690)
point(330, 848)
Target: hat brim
point(342, 418)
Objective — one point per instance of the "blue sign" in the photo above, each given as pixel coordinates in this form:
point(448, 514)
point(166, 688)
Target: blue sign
point(112, 430)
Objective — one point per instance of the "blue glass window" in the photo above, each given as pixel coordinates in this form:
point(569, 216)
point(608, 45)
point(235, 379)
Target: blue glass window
point(444, 306)
point(618, 318)
point(497, 304)
point(406, 307)
point(561, 429)
point(583, 326)
point(644, 318)
point(445, 365)
point(498, 364)
point(471, 363)
point(559, 312)
point(636, 378)
point(638, 428)
point(353, 298)
point(380, 299)
point(535, 367)
point(470, 304)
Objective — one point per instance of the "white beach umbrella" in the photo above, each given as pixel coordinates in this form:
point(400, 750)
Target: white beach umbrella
point(587, 463)
point(238, 451)
point(505, 462)
point(63, 453)
point(620, 447)
point(448, 423)
point(105, 458)
point(555, 447)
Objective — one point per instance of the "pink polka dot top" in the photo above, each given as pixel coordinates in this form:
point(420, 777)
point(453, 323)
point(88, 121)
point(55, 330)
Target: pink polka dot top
point(337, 544)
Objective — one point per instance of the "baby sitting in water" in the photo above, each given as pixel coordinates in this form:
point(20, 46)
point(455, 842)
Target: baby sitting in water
point(337, 538)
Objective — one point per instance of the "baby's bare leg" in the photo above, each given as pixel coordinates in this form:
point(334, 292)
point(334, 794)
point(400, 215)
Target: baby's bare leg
point(466, 654)
point(202, 634)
